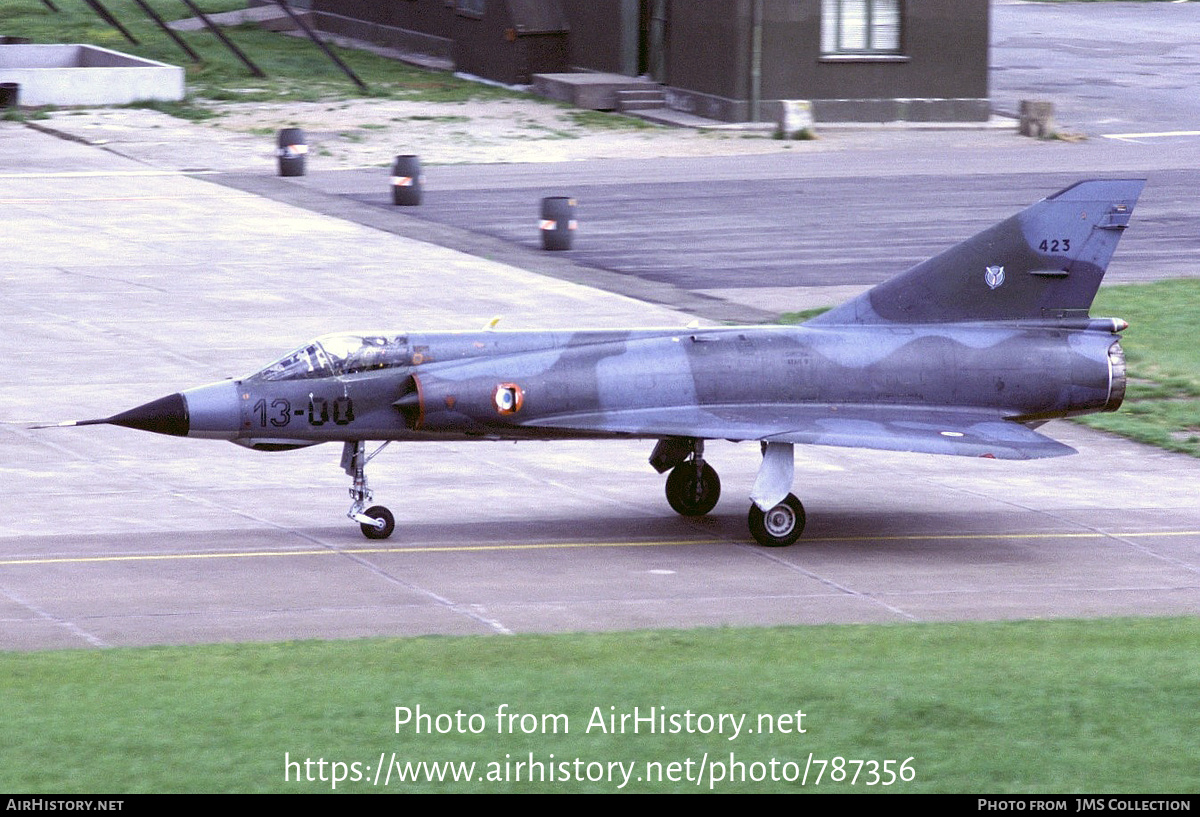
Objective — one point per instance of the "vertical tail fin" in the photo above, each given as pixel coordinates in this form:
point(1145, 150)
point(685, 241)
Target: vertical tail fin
point(1045, 262)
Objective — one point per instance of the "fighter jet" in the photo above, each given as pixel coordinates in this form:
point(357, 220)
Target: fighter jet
point(965, 353)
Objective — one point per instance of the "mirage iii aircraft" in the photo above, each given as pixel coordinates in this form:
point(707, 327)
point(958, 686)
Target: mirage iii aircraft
point(966, 353)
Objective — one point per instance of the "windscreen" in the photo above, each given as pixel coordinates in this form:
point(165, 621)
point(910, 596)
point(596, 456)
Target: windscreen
point(336, 355)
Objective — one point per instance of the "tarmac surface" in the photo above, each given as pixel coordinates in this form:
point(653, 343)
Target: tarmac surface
point(1126, 70)
point(124, 283)
point(743, 238)
point(126, 279)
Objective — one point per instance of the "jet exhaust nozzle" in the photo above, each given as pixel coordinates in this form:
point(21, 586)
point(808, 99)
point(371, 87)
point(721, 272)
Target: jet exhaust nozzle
point(1116, 377)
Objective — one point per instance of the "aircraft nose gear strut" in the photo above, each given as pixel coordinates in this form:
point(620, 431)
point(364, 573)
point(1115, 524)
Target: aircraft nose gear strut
point(377, 521)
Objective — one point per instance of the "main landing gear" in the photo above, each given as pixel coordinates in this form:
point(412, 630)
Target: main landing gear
point(377, 521)
point(693, 486)
point(780, 526)
point(693, 489)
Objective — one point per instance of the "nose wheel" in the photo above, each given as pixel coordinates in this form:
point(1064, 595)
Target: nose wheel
point(381, 523)
point(376, 521)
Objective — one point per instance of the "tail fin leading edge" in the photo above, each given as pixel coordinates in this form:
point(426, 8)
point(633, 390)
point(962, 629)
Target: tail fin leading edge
point(1046, 262)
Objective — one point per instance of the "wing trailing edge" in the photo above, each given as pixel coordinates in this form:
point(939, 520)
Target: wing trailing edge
point(961, 432)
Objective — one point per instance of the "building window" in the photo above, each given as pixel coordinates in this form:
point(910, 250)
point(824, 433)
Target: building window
point(471, 8)
point(857, 27)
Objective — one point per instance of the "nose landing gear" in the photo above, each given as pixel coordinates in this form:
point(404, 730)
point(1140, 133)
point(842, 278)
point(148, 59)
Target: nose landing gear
point(376, 521)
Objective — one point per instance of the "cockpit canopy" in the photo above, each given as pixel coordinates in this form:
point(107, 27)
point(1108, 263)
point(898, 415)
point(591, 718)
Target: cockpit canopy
point(336, 355)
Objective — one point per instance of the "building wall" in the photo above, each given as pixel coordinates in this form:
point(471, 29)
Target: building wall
point(942, 64)
point(511, 41)
point(603, 35)
point(487, 46)
point(491, 47)
point(708, 46)
point(708, 62)
point(431, 17)
point(419, 26)
point(475, 47)
point(944, 49)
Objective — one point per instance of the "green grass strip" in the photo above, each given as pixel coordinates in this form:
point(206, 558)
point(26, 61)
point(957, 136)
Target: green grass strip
point(1162, 349)
point(1039, 706)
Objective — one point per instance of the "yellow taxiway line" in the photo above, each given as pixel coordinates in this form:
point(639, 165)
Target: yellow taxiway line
point(367, 551)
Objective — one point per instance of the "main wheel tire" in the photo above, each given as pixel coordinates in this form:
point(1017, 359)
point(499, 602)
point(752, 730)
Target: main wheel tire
point(389, 523)
point(780, 526)
point(692, 494)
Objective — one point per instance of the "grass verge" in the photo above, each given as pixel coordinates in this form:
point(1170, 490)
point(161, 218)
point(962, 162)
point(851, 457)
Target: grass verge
point(1045, 706)
point(1162, 402)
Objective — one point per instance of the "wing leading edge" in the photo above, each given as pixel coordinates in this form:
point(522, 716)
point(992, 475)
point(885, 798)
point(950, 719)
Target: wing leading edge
point(961, 432)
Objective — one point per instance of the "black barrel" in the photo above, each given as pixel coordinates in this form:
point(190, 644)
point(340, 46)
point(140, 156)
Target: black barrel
point(293, 148)
point(10, 94)
point(406, 180)
point(558, 222)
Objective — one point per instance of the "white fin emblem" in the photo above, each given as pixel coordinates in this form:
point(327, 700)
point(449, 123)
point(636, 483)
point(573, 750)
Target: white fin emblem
point(994, 277)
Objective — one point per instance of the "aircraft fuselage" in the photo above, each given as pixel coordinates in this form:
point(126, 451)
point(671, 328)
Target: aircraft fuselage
point(498, 385)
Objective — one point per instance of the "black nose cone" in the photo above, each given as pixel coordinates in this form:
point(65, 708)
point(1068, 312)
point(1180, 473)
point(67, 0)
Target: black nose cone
point(167, 415)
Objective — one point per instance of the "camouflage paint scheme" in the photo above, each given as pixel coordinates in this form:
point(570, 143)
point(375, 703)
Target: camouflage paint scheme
point(962, 354)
